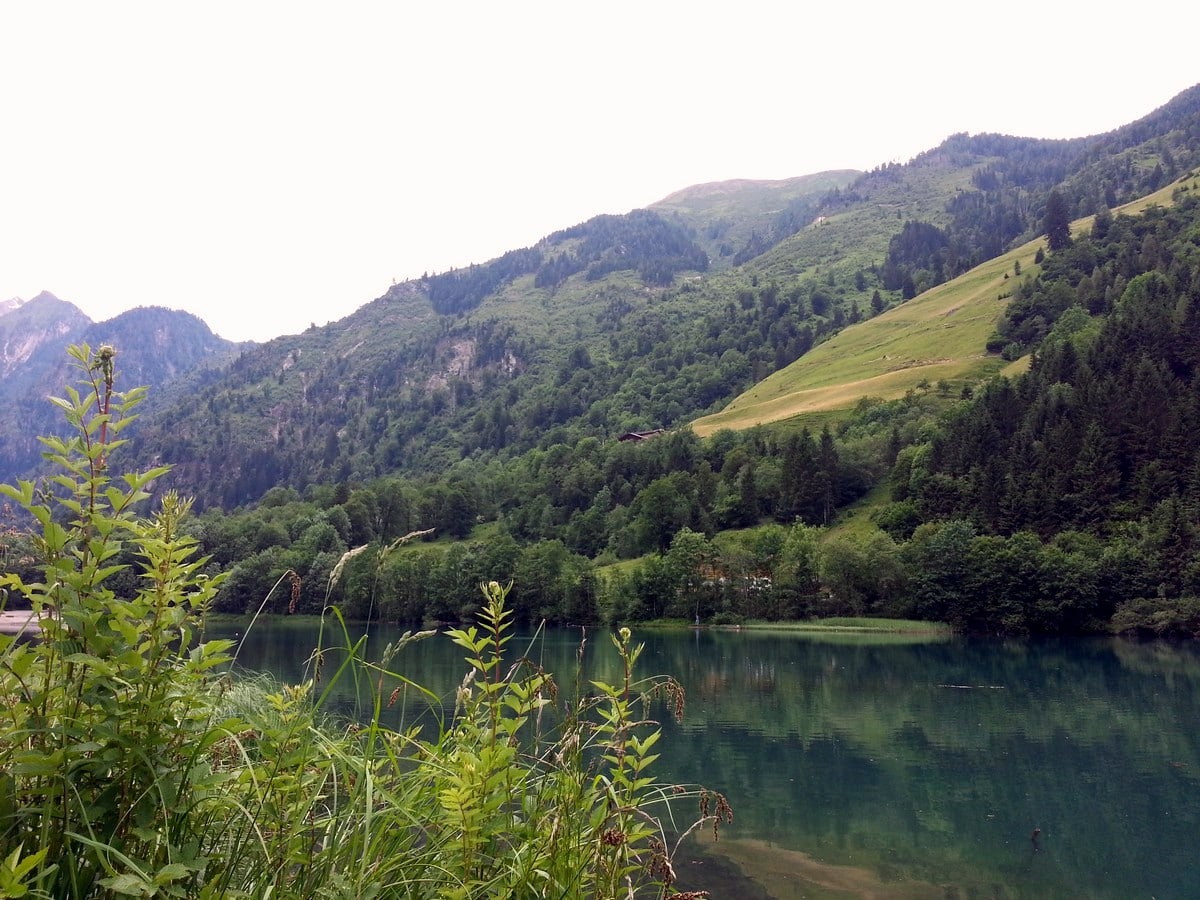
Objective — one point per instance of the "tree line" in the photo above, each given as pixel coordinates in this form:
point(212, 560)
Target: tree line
point(547, 521)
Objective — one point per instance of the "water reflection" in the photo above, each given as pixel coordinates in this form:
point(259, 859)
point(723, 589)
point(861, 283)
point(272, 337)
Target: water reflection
point(862, 767)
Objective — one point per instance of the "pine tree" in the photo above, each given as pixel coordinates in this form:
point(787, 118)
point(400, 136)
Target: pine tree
point(1057, 224)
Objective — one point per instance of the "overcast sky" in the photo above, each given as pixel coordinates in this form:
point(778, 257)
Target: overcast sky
point(266, 165)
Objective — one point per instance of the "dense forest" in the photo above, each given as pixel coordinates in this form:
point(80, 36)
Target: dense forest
point(657, 369)
point(1094, 449)
point(1011, 190)
point(551, 517)
point(642, 241)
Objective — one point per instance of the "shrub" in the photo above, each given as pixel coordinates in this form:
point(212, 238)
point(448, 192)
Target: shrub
point(1158, 617)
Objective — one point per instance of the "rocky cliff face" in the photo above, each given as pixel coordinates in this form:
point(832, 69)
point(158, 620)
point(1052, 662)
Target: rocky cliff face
point(28, 327)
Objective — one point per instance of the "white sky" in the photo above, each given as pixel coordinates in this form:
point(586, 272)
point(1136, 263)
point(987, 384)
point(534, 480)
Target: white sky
point(266, 164)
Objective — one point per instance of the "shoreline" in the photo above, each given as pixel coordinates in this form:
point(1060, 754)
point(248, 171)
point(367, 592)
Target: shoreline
point(18, 622)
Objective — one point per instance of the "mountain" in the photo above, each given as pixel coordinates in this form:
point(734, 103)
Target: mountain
point(636, 322)
point(156, 346)
point(26, 328)
point(10, 304)
point(737, 220)
point(1061, 498)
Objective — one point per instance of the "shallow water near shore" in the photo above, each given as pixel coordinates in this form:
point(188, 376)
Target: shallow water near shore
point(914, 769)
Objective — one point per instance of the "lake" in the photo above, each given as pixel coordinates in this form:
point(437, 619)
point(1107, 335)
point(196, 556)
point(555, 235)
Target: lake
point(893, 766)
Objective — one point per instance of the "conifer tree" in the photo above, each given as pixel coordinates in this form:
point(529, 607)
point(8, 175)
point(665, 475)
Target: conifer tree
point(1057, 224)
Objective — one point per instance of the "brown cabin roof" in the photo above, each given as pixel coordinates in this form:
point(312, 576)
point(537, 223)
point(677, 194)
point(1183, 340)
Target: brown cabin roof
point(640, 435)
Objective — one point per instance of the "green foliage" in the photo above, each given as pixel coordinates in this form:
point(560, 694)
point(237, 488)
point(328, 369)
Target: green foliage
point(864, 577)
point(106, 721)
point(460, 290)
point(1071, 491)
point(555, 512)
point(1159, 617)
point(1095, 432)
point(538, 817)
point(642, 240)
point(920, 253)
point(131, 766)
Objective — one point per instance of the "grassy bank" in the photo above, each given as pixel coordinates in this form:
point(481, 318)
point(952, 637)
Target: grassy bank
point(856, 624)
point(833, 625)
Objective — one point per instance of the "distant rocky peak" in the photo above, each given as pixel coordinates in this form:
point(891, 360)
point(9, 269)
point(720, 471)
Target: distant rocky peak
point(12, 303)
point(28, 326)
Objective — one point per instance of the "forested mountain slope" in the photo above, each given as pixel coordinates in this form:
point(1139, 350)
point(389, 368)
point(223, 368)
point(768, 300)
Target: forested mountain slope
point(960, 332)
point(624, 322)
point(1103, 426)
point(737, 220)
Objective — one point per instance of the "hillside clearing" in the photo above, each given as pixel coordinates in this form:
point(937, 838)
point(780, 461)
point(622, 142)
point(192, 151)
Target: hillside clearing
point(940, 335)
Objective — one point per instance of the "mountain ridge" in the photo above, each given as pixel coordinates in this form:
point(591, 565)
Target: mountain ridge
point(156, 346)
point(617, 325)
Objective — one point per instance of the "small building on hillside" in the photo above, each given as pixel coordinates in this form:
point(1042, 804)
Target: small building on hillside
point(641, 435)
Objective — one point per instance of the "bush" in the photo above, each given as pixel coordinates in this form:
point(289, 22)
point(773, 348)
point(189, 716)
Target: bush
point(1159, 617)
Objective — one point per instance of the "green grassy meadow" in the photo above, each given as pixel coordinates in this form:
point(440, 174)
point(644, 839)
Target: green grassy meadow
point(939, 335)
